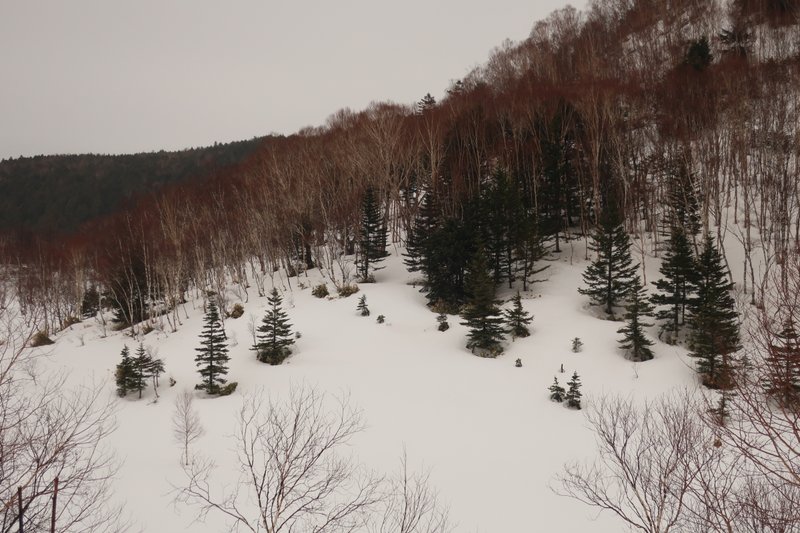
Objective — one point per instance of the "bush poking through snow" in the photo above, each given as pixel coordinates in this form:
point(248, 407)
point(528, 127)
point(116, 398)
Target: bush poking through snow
point(347, 289)
point(320, 291)
point(228, 389)
point(381, 319)
point(518, 363)
point(573, 395)
point(40, 338)
point(442, 320)
point(237, 311)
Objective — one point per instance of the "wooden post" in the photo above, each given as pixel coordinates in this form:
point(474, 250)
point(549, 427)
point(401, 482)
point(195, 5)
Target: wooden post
point(55, 498)
point(19, 506)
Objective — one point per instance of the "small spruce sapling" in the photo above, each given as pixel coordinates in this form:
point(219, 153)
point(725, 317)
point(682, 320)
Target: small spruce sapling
point(556, 391)
point(442, 320)
point(362, 306)
point(573, 395)
point(124, 372)
point(518, 363)
point(517, 319)
point(274, 333)
point(212, 356)
point(381, 319)
point(577, 345)
point(141, 369)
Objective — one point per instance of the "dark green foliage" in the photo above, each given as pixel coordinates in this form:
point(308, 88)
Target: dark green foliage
point(783, 365)
point(610, 276)
point(362, 308)
point(441, 318)
point(557, 392)
point(529, 250)
point(517, 319)
point(347, 289)
point(573, 396)
point(698, 55)
point(228, 389)
point(275, 333)
point(212, 356)
point(155, 371)
point(497, 206)
point(320, 291)
point(450, 249)
point(57, 193)
point(141, 368)
point(633, 340)
point(418, 251)
point(675, 288)
point(427, 103)
point(372, 244)
point(518, 363)
point(577, 345)
point(713, 319)
point(124, 372)
point(481, 314)
point(90, 304)
point(381, 319)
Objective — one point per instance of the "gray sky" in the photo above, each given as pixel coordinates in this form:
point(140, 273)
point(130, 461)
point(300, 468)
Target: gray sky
point(116, 76)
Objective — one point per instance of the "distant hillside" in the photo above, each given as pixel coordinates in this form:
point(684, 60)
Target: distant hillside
point(58, 193)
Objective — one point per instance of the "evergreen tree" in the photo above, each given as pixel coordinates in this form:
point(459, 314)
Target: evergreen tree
point(450, 250)
point(124, 373)
point(495, 218)
point(577, 344)
point(140, 369)
point(517, 319)
point(275, 333)
point(212, 356)
point(373, 236)
point(634, 341)
point(442, 320)
point(417, 256)
point(427, 103)
point(155, 370)
point(675, 288)
point(481, 314)
point(573, 396)
point(713, 320)
point(610, 276)
point(529, 250)
point(783, 365)
point(557, 392)
point(362, 306)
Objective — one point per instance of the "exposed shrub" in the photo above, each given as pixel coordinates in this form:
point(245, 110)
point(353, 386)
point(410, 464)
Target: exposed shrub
point(41, 339)
point(237, 311)
point(320, 291)
point(71, 321)
point(368, 279)
point(347, 290)
point(381, 319)
point(228, 389)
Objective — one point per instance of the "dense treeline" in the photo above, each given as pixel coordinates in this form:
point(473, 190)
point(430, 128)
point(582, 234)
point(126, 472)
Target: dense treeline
point(624, 105)
point(57, 193)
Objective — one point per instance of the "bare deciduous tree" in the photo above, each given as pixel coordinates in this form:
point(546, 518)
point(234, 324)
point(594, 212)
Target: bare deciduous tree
point(293, 476)
point(411, 505)
point(50, 431)
point(186, 425)
point(649, 457)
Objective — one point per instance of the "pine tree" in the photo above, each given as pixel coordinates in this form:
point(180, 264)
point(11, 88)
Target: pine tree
point(362, 306)
point(675, 288)
point(573, 396)
point(481, 314)
point(155, 370)
point(124, 373)
point(577, 345)
point(275, 333)
point(373, 236)
point(610, 276)
point(517, 319)
point(140, 369)
point(713, 320)
point(783, 365)
point(529, 250)
point(417, 256)
point(442, 320)
point(633, 340)
point(557, 392)
point(212, 356)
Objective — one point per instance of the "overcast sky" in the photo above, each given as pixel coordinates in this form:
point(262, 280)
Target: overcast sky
point(120, 76)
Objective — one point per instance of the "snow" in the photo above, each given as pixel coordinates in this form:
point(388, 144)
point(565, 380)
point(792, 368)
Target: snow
point(486, 430)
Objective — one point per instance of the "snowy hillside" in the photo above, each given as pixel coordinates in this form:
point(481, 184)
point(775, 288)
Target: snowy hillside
point(487, 431)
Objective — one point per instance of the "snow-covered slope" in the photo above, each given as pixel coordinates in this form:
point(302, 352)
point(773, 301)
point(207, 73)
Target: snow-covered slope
point(486, 429)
